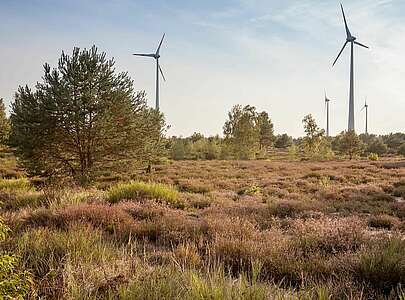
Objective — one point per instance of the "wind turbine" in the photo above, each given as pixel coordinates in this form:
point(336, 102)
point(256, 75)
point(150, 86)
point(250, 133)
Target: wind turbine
point(327, 100)
point(156, 56)
point(366, 108)
point(352, 40)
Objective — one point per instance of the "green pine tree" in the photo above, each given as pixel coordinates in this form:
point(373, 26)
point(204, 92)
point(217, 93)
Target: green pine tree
point(84, 117)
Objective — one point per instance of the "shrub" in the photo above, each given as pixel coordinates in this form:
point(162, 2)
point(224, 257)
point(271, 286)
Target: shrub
point(252, 190)
point(17, 200)
point(373, 157)
point(141, 190)
point(111, 219)
point(399, 209)
point(382, 222)
point(289, 208)
point(314, 175)
point(328, 236)
point(399, 189)
point(197, 201)
point(14, 284)
point(195, 186)
point(172, 229)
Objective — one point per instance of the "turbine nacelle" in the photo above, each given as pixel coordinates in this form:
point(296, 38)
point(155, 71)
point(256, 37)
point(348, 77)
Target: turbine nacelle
point(365, 106)
point(326, 98)
point(351, 39)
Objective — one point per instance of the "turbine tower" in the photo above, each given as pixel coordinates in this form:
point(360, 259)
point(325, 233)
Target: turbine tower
point(156, 56)
point(352, 40)
point(327, 100)
point(366, 108)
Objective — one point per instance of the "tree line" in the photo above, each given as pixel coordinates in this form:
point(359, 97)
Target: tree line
point(84, 118)
point(250, 135)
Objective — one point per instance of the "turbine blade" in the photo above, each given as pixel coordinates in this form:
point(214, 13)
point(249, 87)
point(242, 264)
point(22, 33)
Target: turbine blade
point(357, 43)
point(363, 108)
point(340, 53)
point(344, 18)
point(161, 72)
point(160, 45)
point(145, 55)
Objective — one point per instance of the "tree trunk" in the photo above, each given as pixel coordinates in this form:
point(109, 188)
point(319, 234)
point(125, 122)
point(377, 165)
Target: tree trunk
point(149, 169)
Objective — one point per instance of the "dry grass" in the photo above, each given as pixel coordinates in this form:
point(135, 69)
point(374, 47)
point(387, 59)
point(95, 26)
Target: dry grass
point(244, 230)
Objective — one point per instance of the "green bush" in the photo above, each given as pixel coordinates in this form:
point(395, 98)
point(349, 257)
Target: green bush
point(141, 190)
point(14, 284)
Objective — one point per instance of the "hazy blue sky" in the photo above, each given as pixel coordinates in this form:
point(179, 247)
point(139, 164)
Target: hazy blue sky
point(276, 55)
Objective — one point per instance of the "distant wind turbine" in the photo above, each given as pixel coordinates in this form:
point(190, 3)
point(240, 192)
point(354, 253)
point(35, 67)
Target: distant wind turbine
point(158, 69)
point(327, 100)
point(365, 107)
point(352, 40)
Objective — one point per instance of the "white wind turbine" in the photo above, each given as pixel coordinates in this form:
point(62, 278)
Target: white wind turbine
point(156, 56)
point(365, 107)
point(327, 100)
point(352, 40)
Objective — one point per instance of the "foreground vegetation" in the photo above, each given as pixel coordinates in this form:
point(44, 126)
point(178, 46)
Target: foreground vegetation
point(209, 230)
point(81, 221)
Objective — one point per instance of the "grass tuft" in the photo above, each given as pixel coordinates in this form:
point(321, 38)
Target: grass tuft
point(383, 266)
point(140, 190)
point(21, 184)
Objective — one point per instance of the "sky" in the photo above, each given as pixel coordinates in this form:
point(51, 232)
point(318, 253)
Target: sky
point(275, 55)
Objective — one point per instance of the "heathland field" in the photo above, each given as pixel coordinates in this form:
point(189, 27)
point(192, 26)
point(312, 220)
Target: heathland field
point(211, 230)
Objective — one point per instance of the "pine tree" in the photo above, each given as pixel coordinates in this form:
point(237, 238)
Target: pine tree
point(350, 143)
point(84, 117)
point(283, 141)
point(266, 131)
